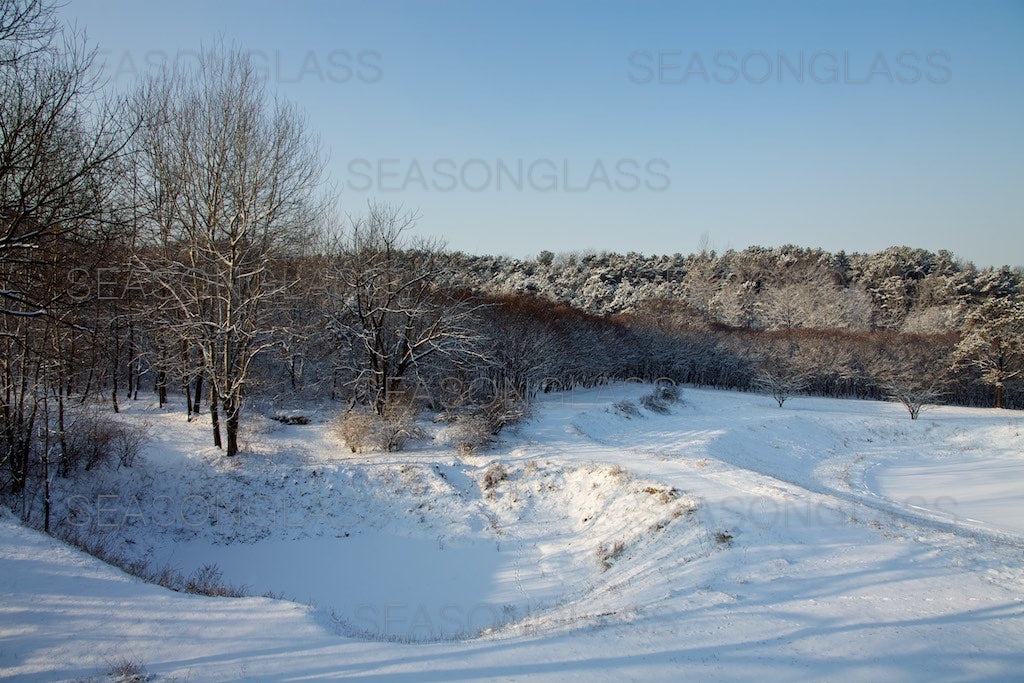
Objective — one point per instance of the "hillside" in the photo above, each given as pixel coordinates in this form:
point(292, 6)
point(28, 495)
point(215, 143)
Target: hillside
point(726, 539)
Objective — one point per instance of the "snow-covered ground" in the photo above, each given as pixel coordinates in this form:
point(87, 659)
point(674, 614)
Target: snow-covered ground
point(729, 539)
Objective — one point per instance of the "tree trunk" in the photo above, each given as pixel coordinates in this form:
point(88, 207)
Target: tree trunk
point(67, 363)
point(214, 417)
point(113, 391)
point(197, 399)
point(131, 352)
point(232, 410)
point(381, 401)
point(133, 380)
point(185, 383)
point(161, 386)
point(188, 399)
point(999, 395)
point(65, 462)
point(46, 481)
point(23, 448)
point(293, 372)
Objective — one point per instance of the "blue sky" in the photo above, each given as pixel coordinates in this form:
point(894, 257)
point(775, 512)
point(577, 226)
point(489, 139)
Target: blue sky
point(520, 126)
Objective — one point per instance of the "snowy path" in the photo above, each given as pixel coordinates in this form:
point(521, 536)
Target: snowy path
point(834, 568)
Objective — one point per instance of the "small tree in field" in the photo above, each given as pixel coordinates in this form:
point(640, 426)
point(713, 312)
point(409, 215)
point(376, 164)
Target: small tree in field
point(911, 373)
point(914, 395)
point(780, 382)
point(781, 375)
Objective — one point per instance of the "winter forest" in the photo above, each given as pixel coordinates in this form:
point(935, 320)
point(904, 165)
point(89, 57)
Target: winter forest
point(180, 240)
point(577, 447)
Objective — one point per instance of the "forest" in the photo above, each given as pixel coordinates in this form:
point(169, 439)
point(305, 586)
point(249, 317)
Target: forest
point(180, 242)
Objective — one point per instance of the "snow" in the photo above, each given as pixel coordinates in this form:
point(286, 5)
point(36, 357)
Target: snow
point(981, 492)
point(730, 539)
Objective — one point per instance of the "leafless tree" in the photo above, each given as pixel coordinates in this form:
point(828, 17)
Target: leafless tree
point(63, 149)
point(781, 372)
point(525, 345)
point(814, 305)
point(913, 393)
point(779, 385)
point(27, 27)
point(391, 318)
point(912, 372)
point(61, 155)
point(233, 179)
point(780, 381)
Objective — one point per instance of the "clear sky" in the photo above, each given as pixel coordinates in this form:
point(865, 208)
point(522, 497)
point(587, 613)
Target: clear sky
point(641, 126)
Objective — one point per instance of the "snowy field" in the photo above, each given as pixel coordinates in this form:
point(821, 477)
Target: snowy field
point(729, 539)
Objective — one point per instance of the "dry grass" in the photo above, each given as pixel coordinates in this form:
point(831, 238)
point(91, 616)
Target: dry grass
point(664, 494)
point(493, 475)
point(126, 670)
point(207, 580)
point(607, 553)
point(626, 409)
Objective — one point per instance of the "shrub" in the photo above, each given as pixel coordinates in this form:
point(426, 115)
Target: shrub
point(626, 409)
point(125, 670)
point(607, 553)
point(358, 429)
point(291, 418)
point(94, 439)
point(665, 495)
point(471, 433)
point(507, 408)
point(665, 394)
point(475, 422)
point(208, 580)
point(364, 430)
point(128, 442)
point(724, 538)
point(397, 427)
point(667, 391)
point(619, 473)
point(494, 475)
point(87, 442)
point(654, 403)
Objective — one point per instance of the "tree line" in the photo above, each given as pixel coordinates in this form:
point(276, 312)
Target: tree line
point(180, 239)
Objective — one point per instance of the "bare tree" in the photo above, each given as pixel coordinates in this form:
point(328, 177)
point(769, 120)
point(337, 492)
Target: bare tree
point(913, 393)
point(233, 179)
point(525, 346)
point(387, 310)
point(780, 383)
point(814, 305)
point(62, 155)
point(781, 374)
point(27, 27)
point(910, 370)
